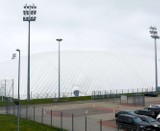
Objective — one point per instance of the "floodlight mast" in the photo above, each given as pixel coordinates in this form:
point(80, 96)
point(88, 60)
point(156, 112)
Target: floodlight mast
point(29, 13)
point(154, 35)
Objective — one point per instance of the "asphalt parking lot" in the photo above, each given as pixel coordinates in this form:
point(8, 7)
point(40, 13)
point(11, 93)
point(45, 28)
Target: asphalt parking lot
point(95, 110)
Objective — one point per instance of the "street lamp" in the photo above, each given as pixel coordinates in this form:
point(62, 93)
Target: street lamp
point(18, 101)
point(59, 40)
point(19, 60)
point(29, 15)
point(154, 35)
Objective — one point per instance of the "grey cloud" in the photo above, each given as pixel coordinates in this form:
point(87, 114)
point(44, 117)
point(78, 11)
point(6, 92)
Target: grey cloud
point(112, 25)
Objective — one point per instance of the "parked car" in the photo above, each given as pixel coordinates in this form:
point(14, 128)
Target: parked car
point(158, 118)
point(155, 105)
point(132, 123)
point(151, 93)
point(155, 124)
point(156, 109)
point(146, 112)
point(129, 112)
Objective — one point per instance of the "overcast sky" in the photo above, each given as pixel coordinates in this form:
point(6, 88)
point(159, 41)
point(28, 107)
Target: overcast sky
point(110, 25)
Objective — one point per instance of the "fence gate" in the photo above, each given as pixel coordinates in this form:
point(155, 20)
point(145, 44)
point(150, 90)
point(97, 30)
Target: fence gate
point(138, 99)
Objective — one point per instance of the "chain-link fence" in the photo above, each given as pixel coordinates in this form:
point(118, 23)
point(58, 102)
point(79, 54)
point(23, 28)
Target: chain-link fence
point(67, 121)
point(6, 88)
point(72, 120)
point(118, 92)
point(123, 96)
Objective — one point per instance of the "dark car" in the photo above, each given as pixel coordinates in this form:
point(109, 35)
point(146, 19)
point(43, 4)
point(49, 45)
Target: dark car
point(156, 109)
point(146, 112)
point(132, 123)
point(129, 112)
point(154, 105)
point(151, 93)
point(155, 124)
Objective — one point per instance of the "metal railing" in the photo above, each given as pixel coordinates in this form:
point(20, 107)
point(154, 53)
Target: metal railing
point(73, 120)
point(62, 119)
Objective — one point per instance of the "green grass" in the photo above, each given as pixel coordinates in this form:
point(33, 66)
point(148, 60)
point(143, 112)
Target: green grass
point(51, 100)
point(9, 123)
point(45, 101)
point(63, 99)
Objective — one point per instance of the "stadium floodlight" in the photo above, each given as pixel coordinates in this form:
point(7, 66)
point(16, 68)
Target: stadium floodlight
point(29, 13)
point(154, 35)
point(13, 56)
point(59, 73)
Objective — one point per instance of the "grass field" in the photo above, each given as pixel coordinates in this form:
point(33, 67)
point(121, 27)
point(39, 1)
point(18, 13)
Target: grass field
point(45, 101)
point(9, 123)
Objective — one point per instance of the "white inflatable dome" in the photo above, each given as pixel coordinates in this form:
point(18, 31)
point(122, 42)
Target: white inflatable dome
point(85, 71)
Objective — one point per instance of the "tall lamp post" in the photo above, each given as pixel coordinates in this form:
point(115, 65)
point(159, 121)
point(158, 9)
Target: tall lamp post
point(154, 35)
point(18, 101)
point(19, 67)
point(29, 13)
point(59, 73)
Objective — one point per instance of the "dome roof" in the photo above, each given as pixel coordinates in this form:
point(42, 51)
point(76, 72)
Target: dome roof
point(85, 71)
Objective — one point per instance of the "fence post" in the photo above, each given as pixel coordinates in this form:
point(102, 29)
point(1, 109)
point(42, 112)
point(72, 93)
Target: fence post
point(13, 109)
point(55, 96)
point(72, 122)
point(143, 100)
point(100, 124)
point(42, 117)
point(61, 121)
point(51, 117)
point(20, 110)
point(31, 95)
point(34, 113)
point(116, 93)
point(5, 88)
point(105, 94)
point(27, 111)
point(127, 100)
point(7, 106)
point(120, 98)
point(85, 123)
